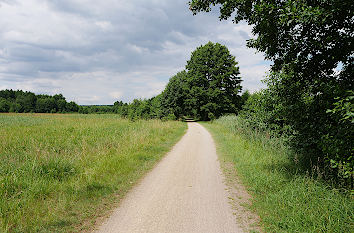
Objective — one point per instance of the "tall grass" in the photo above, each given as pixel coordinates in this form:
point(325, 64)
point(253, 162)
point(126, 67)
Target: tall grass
point(286, 199)
point(59, 172)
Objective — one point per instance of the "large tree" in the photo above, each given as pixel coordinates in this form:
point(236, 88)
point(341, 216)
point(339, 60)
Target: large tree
point(311, 43)
point(213, 81)
point(315, 34)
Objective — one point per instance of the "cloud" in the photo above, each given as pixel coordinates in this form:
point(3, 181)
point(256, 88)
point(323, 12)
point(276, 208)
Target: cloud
point(96, 52)
point(116, 94)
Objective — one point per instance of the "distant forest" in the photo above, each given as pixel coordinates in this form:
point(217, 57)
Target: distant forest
point(20, 101)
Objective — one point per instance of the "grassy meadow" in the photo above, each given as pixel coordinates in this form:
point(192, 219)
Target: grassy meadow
point(60, 172)
point(286, 199)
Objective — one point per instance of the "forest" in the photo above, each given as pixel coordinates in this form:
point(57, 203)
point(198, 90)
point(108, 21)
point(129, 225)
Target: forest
point(21, 101)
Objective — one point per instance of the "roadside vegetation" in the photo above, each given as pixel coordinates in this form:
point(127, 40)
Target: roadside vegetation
point(309, 97)
point(59, 172)
point(286, 198)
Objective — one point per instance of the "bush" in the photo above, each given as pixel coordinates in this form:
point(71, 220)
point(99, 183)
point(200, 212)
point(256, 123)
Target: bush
point(338, 142)
point(169, 117)
point(323, 139)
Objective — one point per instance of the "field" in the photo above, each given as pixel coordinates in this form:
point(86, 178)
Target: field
point(286, 199)
point(58, 173)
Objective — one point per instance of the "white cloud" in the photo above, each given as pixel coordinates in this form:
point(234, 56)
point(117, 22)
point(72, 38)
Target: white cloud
point(137, 49)
point(252, 75)
point(116, 94)
point(104, 25)
point(96, 52)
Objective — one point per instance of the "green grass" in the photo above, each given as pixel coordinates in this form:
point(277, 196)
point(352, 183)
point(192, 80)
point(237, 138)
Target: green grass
point(285, 199)
point(58, 173)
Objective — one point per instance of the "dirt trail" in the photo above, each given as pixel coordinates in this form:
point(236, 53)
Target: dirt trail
point(183, 193)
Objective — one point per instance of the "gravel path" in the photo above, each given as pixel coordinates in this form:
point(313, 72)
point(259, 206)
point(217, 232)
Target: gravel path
point(185, 192)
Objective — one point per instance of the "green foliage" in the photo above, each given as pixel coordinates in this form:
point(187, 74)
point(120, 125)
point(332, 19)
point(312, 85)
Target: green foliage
point(244, 97)
point(176, 99)
point(338, 142)
point(213, 81)
point(155, 106)
point(326, 146)
point(320, 136)
point(20, 101)
point(25, 102)
point(4, 105)
point(314, 35)
point(72, 107)
point(140, 108)
point(96, 109)
point(45, 104)
point(208, 88)
point(255, 110)
point(311, 45)
point(344, 107)
point(263, 111)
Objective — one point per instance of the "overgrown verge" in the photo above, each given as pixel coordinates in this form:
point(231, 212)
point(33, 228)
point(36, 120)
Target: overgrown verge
point(286, 199)
point(58, 173)
point(321, 136)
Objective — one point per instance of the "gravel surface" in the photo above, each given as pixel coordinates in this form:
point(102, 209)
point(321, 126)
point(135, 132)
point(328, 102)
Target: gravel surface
point(185, 192)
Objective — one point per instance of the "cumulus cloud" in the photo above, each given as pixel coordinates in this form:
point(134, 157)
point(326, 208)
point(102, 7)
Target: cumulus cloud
point(97, 52)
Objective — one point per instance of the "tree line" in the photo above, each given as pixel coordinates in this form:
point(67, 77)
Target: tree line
point(20, 101)
point(309, 96)
point(209, 87)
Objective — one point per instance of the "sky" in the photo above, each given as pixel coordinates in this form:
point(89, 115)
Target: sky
point(98, 52)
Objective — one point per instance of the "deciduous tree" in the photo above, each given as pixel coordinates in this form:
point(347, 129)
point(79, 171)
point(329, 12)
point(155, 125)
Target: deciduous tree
point(213, 81)
point(311, 44)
